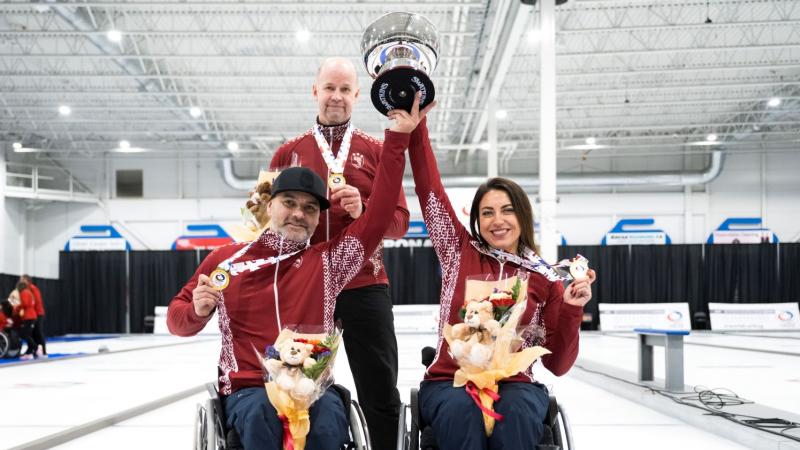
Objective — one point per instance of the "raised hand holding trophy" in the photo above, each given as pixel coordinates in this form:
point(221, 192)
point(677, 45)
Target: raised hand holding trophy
point(400, 51)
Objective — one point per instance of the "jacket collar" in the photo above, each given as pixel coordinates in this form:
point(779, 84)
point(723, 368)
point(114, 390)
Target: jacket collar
point(277, 242)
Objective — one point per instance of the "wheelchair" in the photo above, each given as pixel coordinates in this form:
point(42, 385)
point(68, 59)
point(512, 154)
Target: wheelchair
point(413, 434)
point(211, 431)
point(10, 344)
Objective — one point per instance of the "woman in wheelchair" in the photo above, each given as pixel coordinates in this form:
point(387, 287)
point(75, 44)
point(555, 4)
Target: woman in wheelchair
point(501, 243)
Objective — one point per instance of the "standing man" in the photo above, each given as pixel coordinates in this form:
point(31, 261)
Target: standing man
point(38, 326)
point(348, 159)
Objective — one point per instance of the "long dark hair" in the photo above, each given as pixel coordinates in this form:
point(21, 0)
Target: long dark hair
point(522, 209)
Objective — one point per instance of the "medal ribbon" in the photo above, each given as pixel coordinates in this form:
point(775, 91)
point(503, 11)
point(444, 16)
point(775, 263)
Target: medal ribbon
point(531, 262)
point(252, 265)
point(474, 392)
point(288, 440)
point(335, 165)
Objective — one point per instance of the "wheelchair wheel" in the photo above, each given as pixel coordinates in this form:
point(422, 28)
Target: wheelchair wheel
point(566, 429)
point(5, 343)
point(10, 345)
point(200, 424)
point(358, 427)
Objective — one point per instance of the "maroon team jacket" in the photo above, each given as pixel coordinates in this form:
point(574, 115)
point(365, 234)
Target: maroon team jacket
point(359, 171)
point(548, 321)
point(300, 290)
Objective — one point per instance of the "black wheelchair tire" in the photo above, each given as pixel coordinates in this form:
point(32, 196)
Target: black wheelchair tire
point(10, 345)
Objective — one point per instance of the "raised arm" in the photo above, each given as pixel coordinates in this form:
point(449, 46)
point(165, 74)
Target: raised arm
point(399, 224)
point(345, 254)
point(182, 315)
point(446, 231)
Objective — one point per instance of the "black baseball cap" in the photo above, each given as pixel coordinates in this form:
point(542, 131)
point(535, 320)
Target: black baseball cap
point(304, 180)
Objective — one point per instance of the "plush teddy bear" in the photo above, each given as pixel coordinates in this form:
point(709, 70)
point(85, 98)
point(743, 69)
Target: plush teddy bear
point(257, 203)
point(474, 339)
point(287, 371)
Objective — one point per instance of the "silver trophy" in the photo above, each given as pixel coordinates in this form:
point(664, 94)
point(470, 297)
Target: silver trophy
point(400, 52)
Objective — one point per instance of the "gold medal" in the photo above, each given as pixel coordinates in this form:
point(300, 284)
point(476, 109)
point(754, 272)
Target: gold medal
point(579, 268)
point(336, 180)
point(220, 279)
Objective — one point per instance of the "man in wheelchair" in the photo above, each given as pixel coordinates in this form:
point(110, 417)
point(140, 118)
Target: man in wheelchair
point(279, 280)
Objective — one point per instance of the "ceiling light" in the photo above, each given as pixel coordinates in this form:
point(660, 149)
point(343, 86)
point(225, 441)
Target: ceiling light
point(773, 102)
point(114, 35)
point(124, 145)
point(591, 141)
point(586, 147)
point(64, 110)
point(756, 127)
point(233, 146)
point(303, 35)
point(195, 112)
point(501, 114)
point(18, 148)
point(711, 137)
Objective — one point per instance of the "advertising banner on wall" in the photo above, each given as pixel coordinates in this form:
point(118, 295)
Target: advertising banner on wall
point(203, 236)
point(627, 232)
point(660, 316)
point(416, 236)
point(97, 238)
point(754, 316)
point(742, 230)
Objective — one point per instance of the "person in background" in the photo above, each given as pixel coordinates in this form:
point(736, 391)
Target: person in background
point(38, 327)
point(347, 159)
point(27, 314)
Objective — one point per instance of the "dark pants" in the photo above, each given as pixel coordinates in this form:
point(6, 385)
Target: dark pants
point(250, 412)
point(38, 333)
point(458, 423)
point(26, 332)
point(371, 346)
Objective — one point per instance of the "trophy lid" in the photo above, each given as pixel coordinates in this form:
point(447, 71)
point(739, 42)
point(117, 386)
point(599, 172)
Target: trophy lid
point(401, 27)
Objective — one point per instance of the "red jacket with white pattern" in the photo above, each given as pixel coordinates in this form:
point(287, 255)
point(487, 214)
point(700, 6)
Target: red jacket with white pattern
point(37, 295)
point(300, 290)
point(359, 171)
point(548, 321)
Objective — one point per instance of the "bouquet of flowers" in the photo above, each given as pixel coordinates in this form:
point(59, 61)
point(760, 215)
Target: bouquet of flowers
point(298, 368)
point(486, 346)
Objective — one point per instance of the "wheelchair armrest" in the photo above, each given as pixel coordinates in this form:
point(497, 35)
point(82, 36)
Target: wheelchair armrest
point(344, 394)
point(212, 391)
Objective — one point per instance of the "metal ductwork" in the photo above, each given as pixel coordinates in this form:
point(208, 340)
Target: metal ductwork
point(232, 180)
point(530, 184)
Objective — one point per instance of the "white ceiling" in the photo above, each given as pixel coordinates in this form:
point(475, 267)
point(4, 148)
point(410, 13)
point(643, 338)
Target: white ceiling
point(644, 78)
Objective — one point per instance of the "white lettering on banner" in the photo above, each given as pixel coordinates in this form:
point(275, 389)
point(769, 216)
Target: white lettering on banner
point(404, 243)
point(754, 316)
point(89, 244)
point(660, 316)
point(641, 238)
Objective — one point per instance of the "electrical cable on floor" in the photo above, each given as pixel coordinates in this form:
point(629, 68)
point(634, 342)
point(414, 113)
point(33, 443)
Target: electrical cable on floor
point(712, 401)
